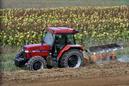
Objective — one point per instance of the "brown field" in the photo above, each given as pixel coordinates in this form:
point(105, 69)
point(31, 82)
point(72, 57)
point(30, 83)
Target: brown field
point(107, 74)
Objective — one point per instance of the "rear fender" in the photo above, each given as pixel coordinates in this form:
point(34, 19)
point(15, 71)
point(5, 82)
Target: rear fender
point(68, 47)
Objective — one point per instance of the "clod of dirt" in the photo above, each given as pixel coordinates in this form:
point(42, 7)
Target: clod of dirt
point(123, 58)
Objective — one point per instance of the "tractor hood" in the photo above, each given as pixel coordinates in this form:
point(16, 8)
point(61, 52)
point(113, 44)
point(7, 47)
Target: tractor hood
point(37, 47)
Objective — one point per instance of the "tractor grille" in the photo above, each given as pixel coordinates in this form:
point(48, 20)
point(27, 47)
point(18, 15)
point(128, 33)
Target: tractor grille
point(21, 54)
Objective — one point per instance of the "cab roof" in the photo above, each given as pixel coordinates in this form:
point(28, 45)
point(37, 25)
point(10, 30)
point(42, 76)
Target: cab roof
point(62, 30)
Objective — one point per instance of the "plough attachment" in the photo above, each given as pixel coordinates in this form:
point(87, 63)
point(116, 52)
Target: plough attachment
point(102, 52)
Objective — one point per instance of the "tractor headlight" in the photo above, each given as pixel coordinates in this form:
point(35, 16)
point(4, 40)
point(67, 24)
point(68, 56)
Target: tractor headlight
point(26, 51)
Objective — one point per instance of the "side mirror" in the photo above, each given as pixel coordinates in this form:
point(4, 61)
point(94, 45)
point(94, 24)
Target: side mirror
point(42, 40)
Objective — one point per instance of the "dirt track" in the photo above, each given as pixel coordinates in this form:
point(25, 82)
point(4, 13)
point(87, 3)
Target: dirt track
point(108, 74)
point(107, 81)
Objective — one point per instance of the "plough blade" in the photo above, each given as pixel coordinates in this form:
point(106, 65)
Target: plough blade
point(104, 48)
point(102, 53)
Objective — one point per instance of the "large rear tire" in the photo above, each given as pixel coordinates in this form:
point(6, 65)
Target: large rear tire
point(36, 63)
point(72, 58)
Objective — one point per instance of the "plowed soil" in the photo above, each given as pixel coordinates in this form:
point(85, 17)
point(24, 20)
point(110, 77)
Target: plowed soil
point(107, 74)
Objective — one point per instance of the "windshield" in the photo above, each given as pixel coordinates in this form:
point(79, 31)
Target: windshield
point(49, 38)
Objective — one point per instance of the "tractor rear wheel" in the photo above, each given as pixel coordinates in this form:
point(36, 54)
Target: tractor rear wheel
point(72, 58)
point(36, 63)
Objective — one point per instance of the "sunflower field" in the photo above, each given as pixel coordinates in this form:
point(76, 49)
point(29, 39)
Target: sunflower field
point(97, 25)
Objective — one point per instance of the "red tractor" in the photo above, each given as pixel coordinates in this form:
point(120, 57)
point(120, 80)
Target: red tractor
point(58, 49)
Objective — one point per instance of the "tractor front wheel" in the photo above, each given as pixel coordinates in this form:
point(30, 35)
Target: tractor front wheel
point(72, 58)
point(36, 63)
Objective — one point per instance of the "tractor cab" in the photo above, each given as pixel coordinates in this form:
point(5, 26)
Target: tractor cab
point(59, 37)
